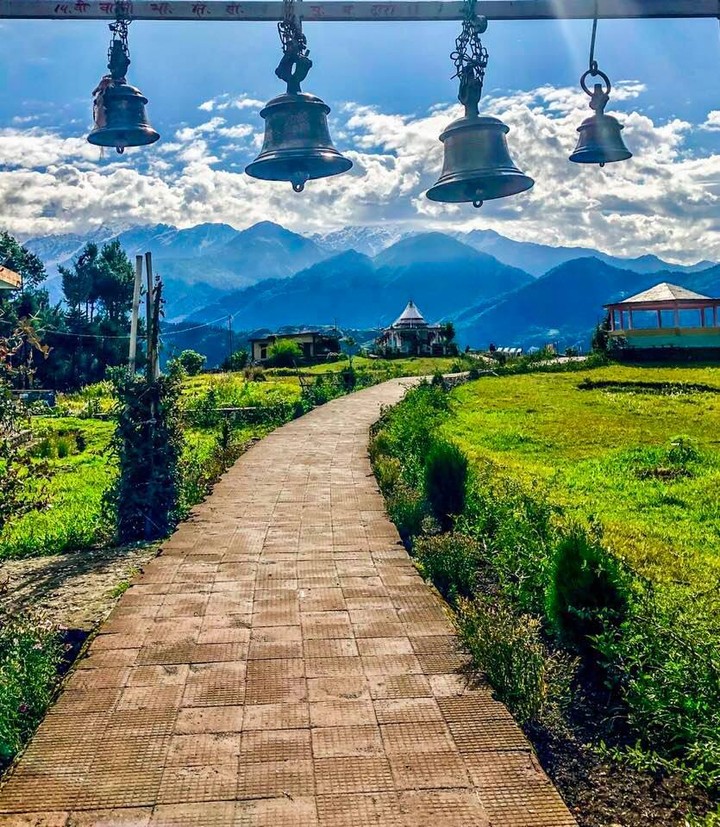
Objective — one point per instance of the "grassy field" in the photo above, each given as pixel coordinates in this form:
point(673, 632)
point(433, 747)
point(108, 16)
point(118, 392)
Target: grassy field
point(75, 467)
point(642, 459)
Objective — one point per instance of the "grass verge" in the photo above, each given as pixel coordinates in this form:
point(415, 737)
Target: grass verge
point(580, 642)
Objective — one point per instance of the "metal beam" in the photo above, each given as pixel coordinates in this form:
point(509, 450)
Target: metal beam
point(362, 10)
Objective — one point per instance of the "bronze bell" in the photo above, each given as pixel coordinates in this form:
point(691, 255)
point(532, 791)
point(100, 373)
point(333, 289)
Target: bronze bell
point(297, 146)
point(477, 166)
point(600, 141)
point(118, 108)
point(120, 118)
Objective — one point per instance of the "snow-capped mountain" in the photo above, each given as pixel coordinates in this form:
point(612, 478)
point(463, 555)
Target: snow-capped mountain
point(369, 240)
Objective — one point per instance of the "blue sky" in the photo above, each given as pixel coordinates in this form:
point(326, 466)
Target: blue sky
point(382, 79)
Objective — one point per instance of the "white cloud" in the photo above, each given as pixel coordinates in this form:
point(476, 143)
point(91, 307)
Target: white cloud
point(223, 102)
point(665, 200)
point(712, 122)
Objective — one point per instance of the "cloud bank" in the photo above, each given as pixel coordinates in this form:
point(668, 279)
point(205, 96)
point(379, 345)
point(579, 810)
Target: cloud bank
point(665, 200)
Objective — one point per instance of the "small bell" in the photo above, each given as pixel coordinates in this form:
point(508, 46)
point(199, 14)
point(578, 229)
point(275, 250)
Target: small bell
point(600, 141)
point(297, 146)
point(477, 165)
point(118, 108)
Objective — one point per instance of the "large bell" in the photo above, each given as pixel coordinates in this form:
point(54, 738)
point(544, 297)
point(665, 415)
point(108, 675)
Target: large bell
point(600, 141)
point(297, 145)
point(477, 166)
point(120, 117)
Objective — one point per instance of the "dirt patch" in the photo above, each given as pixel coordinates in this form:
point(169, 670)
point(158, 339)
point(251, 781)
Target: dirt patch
point(75, 590)
point(600, 791)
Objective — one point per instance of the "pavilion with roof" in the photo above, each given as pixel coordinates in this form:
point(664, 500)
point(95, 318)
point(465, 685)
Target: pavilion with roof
point(411, 335)
point(666, 318)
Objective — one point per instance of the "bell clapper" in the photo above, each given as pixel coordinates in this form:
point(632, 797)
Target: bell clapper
point(477, 203)
point(120, 150)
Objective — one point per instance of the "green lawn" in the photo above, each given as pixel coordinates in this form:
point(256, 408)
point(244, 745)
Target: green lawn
point(412, 366)
point(607, 453)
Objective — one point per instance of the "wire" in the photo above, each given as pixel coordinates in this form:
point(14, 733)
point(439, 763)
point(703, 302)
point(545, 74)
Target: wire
point(126, 336)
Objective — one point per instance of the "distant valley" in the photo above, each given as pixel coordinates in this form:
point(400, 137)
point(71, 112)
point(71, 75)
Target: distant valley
point(493, 288)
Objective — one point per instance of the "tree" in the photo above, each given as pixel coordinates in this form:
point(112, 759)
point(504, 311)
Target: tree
point(283, 353)
point(601, 336)
point(191, 361)
point(26, 264)
point(236, 361)
point(92, 334)
point(350, 346)
point(448, 332)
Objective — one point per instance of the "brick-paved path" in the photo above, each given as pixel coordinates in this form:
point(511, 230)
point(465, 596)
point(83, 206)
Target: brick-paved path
point(282, 664)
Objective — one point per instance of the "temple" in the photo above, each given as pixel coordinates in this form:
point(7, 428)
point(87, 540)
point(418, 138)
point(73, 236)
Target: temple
point(666, 320)
point(411, 335)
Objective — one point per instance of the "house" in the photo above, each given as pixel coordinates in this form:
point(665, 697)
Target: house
point(411, 335)
point(666, 321)
point(9, 280)
point(315, 344)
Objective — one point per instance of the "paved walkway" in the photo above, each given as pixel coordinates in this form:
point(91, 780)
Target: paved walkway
point(282, 664)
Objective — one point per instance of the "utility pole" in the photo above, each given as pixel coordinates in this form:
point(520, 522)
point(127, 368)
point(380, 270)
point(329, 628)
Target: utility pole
point(149, 311)
point(135, 311)
point(230, 336)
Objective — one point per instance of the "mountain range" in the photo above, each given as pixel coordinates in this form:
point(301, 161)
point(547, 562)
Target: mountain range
point(493, 288)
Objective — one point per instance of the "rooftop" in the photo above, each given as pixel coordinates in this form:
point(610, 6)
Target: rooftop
point(410, 317)
point(665, 292)
point(8, 279)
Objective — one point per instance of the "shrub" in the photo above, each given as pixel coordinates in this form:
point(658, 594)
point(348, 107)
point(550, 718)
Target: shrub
point(446, 472)
point(664, 661)
point(29, 656)
point(284, 353)
point(518, 532)
point(439, 381)
point(533, 682)
point(143, 500)
point(451, 561)
point(255, 374)
point(387, 473)
point(191, 361)
point(349, 378)
point(64, 446)
point(586, 590)
point(406, 508)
